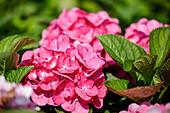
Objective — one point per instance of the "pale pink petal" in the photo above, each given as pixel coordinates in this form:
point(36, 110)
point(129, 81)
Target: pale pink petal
point(82, 94)
point(102, 91)
point(69, 105)
point(81, 108)
point(27, 55)
point(92, 92)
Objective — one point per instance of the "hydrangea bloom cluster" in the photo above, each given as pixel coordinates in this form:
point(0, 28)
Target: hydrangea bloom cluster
point(66, 74)
point(146, 107)
point(14, 95)
point(139, 32)
point(82, 26)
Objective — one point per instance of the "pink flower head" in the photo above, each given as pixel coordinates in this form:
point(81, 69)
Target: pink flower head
point(139, 32)
point(147, 108)
point(81, 26)
point(69, 75)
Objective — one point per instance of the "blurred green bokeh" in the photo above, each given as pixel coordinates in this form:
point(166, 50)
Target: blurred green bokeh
point(30, 17)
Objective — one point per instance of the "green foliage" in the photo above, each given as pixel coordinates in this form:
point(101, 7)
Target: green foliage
point(119, 84)
point(2, 67)
point(14, 43)
point(128, 65)
point(8, 61)
point(140, 65)
point(145, 65)
point(120, 48)
point(16, 75)
point(159, 44)
point(163, 73)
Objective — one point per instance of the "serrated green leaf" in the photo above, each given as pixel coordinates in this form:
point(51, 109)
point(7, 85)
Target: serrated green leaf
point(163, 73)
point(159, 44)
point(127, 65)
point(120, 48)
point(17, 74)
point(14, 43)
point(21, 43)
point(11, 59)
point(145, 65)
point(2, 67)
point(118, 84)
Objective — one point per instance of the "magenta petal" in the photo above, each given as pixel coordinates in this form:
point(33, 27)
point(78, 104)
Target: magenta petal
point(97, 102)
point(88, 84)
point(40, 99)
point(102, 91)
point(81, 108)
point(27, 55)
point(44, 86)
point(92, 92)
point(69, 106)
point(82, 94)
point(58, 99)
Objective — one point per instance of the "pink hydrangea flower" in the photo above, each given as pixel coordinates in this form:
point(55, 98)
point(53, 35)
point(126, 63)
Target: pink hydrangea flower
point(147, 108)
point(139, 32)
point(81, 26)
point(71, 76)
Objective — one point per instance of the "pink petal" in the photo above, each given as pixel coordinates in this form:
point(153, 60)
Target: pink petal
point(81, 108)
point(92, 92)
point(39, 99)
point(45, 54)
point(102, 91)
point(58, 98)
point(27, 55)
point(88, 84)
point(45, 86)
point(69, 105)
point(82, 94)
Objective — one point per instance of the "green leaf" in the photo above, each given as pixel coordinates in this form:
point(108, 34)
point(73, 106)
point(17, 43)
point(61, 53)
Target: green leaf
point(159, 44)
point(2, 67)
point(120, 48)
point(10, 60)
point(128, 65)
point(21, 43)
point(17, 74)
point(118, 84)
point(91, 110)
point(14, 43)
point(145, 65)
point(163, 73)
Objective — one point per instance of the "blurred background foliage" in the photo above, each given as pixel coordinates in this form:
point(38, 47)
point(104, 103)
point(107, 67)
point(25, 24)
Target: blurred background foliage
point(30, 17)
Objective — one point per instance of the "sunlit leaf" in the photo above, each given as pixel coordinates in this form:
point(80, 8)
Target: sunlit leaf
point(120, 48)
point(159, 44)
point(17, 74)
point(118, 84)
point(14, 43)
